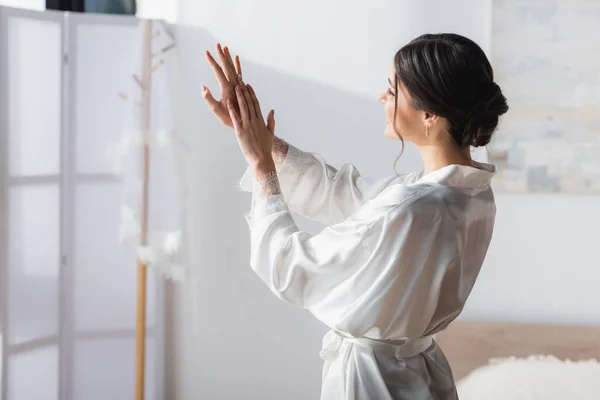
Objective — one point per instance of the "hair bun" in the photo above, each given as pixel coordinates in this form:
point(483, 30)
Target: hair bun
point(494, 102)
point(486, 113)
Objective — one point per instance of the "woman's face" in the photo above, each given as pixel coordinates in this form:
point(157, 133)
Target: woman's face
point(409, 121)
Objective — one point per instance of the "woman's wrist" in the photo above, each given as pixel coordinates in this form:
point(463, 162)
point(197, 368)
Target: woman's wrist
point(263, 168)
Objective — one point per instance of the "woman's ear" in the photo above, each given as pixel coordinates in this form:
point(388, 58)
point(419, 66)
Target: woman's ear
point(430, 119)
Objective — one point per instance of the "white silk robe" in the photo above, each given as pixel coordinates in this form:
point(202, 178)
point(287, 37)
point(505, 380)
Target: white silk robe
point(393, 267)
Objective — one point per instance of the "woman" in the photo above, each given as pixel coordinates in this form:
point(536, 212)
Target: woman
point(400, 255)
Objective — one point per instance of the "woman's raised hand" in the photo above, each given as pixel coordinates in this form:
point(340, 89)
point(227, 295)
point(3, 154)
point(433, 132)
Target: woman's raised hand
point(228, 74)
point(255, 137)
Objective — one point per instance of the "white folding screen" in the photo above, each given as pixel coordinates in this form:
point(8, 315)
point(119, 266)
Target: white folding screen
point(31, 202)
point(68, 286)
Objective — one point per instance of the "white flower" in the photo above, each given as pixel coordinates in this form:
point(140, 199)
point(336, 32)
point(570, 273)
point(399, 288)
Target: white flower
point(171, 242)
point(147, 255)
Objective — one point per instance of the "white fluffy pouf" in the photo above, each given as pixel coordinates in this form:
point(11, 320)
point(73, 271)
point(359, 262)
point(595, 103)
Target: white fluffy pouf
point(532, 378)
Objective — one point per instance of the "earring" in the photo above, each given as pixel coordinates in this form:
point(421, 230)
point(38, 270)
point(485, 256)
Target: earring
point(427, 130)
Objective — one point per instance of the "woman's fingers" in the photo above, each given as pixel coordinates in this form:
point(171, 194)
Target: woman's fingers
point(221, 78)
point(252, 93)
point(249, 102)
point(227, 67)
point(231, 63)
point(229, 59)
point(271, 122)
point(235, 116)
point(238, 66)
point(208, 97)
point(243, 104)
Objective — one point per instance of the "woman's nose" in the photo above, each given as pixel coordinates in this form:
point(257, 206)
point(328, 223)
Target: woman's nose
point(382, 98)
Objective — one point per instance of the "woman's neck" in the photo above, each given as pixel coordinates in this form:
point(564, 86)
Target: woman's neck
point(440, 156)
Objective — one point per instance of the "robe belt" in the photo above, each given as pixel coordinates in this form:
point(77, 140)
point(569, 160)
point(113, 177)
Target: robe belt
point(333, 341)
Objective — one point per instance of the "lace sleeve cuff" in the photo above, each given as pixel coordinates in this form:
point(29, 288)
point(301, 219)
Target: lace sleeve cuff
point(266, 198)
point(285, 156)
point(279, 150)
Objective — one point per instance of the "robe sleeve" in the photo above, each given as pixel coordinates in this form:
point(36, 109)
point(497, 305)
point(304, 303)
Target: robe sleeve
point(318, 191)
point(360, 275)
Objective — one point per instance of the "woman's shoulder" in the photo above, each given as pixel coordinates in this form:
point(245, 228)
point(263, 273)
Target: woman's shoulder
point(399, 198)
point(409, 195)
point(404, 190)
point(429, 200)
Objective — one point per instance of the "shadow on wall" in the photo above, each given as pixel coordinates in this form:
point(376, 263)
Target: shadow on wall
point(237, 337)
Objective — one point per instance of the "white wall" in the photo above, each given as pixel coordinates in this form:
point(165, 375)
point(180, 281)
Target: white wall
point(157, 9)
point(321, 64)
point(348, 45)
point(543, 264)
